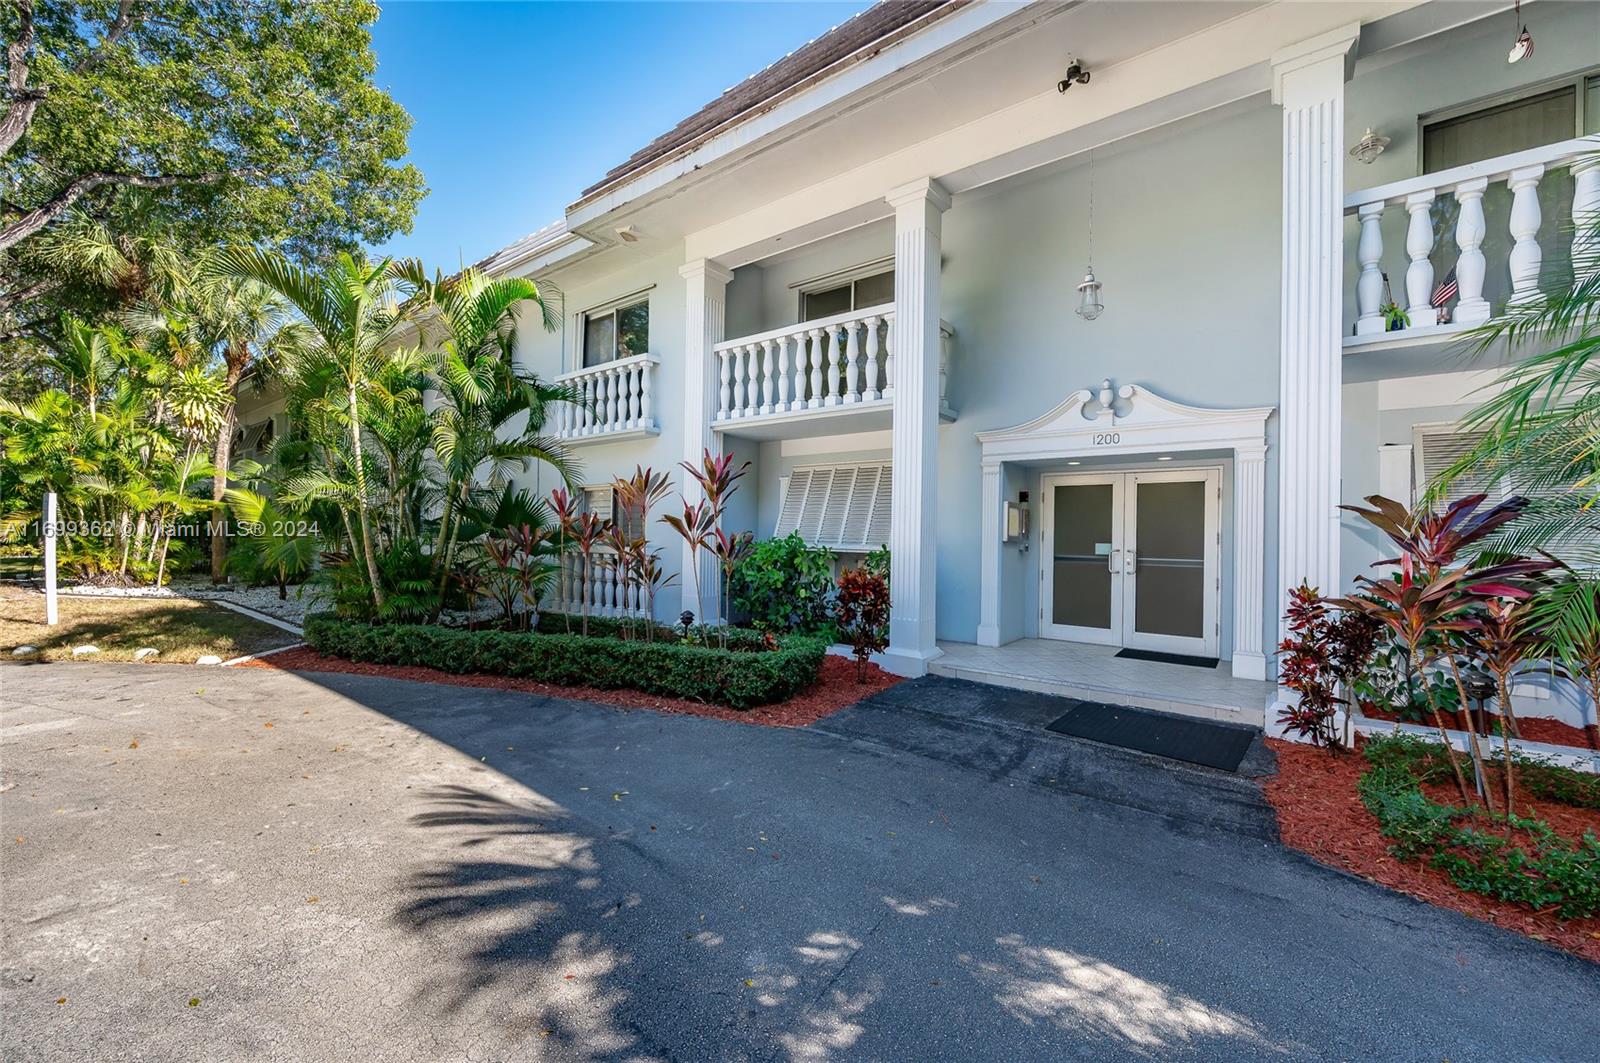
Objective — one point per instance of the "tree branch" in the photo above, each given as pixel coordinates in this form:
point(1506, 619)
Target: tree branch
point(34, 220)
point(23, 101)
point(119, 26)
point(26, 292)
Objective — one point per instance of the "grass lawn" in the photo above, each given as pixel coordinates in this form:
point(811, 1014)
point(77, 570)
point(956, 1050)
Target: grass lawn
point(183, 631)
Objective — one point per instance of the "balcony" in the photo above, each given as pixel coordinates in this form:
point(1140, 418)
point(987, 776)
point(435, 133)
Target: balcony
point(618, 402)
point(1498, 253)
point(818, 377)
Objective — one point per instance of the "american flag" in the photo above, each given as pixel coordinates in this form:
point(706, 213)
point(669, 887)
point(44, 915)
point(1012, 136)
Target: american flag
point(1446, 291)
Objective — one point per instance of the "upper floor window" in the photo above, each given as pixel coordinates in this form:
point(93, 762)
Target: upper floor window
point(872, 290)
point(1548, 115)
point(613, 332)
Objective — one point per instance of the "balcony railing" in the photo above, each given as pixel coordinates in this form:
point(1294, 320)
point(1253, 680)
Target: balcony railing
point(597, 585)
point(833, 364)
point(618, 400)
point(1501, 266)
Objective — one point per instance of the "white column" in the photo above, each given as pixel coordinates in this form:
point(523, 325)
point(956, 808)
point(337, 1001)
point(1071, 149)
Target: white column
point(51, 614)
point(1249, 561)
point(706, 285)
point(989, 556)
point(918, 213)
point(1308, 82)
point(1369, 287)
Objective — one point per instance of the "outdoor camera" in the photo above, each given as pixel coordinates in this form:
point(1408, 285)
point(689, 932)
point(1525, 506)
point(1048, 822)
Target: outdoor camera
point(1076, 75)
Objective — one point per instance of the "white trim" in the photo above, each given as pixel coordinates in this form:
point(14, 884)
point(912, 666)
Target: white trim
point(1143, 422)
point(837, 278)
point(844, 443)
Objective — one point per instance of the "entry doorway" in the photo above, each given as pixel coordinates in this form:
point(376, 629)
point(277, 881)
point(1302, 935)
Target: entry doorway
point(1132, 559)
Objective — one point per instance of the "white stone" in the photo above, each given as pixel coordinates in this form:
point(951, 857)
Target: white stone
point(84, 651)
point(23, 651)
point(209, 658)
point(145, 651)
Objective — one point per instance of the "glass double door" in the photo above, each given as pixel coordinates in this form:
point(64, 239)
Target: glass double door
point(1131, 559)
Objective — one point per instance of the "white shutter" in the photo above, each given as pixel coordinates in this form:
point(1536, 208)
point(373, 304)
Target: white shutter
point(598, 500)
point(842, 506)
point(1438, 448)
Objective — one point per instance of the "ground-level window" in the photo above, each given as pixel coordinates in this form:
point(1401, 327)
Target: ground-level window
point(601, 500)
point(613, 332)
point(843, 506)
point(872, 290)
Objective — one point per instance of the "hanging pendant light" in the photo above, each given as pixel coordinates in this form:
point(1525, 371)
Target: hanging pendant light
point(1090, 305)
point(1522, 47)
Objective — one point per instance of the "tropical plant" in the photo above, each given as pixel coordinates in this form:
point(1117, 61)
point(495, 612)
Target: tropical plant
point(1306, 667)
point(730, 552)
point(862, 610)
point(1566, 616)
point(786, 585)
point(275, 546)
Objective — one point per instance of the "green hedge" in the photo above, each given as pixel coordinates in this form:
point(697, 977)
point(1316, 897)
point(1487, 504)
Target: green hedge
point(1551, 873)
point(738, 679)
point(738, 638)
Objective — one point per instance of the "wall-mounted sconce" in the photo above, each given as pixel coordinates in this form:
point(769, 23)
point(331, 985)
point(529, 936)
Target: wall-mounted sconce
point(1369, 147)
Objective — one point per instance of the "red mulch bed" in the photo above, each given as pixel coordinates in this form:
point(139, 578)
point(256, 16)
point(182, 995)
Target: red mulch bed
point(836, 688)
point(1533, 728)
point(1320, 814)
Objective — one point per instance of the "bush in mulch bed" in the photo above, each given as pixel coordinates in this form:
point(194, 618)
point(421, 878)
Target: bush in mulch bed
point(1544, 729)
point(1387, 815)
point(736, 678)
point(836, 688)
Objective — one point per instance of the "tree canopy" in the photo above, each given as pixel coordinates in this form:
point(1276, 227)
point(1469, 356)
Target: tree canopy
point(202, 122)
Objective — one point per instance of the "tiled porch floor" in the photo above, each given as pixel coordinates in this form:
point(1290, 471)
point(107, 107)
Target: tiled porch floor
point(1095, 673)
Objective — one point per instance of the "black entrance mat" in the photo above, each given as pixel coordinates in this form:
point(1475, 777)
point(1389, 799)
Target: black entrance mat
point(1207, 742)
point(1168, 658)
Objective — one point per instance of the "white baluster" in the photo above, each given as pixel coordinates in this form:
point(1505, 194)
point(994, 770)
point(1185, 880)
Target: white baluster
point(1369, 287)
point(818, 354)
point(852, 359)
point(634, 371)
point(830, 369)
point(752, 393)
point(726, 408)
point(1526, 257)
point(1473, 308)
point(614, 406)
point(738, 382)
point(871, 389)
point(1585, 215)
point(783, 373)
point(647, 383)
point(766, 379)
point(1419, 245)
point(888, 357)
point(587, 419)
point(802, 371)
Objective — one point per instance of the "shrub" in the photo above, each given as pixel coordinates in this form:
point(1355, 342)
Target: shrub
point(862, 609)
point(739, 679)
point(784, 585)
point(738, 638)
point(1549, 873)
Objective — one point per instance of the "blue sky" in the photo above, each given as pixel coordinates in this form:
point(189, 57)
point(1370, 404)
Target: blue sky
point(519, 106)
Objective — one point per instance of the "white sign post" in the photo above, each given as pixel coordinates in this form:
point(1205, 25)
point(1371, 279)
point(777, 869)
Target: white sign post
point(50, 558)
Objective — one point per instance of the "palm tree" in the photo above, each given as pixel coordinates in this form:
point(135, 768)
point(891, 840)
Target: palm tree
point(353, 315)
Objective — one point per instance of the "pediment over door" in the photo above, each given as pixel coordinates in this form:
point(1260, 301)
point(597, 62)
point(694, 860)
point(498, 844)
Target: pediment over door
point(1128, 419)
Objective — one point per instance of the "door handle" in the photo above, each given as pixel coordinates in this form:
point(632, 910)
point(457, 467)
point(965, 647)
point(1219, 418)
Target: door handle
point(1111, 562)
point(1130, 563)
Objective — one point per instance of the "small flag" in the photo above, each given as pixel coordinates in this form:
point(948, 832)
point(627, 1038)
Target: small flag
point(1446, 291)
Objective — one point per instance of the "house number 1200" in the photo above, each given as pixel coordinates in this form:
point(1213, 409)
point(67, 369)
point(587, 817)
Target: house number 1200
point(1107, 439)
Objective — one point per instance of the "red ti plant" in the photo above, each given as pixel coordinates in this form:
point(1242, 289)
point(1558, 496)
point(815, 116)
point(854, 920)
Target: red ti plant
point(862, 610)
point(1431, 595)
point(587, 531)
point(652, 577)
point(717, 479)
point(694, 525)
point(1307, 669)
point(1504, 638)
point(729, 550)
point(566, 509)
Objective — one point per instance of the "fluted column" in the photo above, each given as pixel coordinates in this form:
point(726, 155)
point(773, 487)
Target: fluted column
point(706, 285)
point(989, 556)
point(1308, 82)
point(918, 212)
point(1249, 553)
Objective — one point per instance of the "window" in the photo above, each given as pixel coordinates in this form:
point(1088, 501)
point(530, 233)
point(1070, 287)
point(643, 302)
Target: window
point(873, 290)
point(602, 502)
point(614, 332)
point(1437, 448)
point(845, 507)
point(1546, 118)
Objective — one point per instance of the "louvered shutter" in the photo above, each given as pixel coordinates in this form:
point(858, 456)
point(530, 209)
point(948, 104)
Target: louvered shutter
point(1441, 448)
point(598, 500)
point(842, 506)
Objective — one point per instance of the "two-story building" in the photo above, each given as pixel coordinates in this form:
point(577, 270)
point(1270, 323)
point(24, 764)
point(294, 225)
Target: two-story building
point(863, 270)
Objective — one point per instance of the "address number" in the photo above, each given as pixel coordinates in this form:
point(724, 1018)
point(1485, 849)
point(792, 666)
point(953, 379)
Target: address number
point(1107, 439)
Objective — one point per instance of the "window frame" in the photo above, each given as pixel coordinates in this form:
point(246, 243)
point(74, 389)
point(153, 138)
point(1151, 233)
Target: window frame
point(841, 278)
point(1578, 81)
point(611, 308)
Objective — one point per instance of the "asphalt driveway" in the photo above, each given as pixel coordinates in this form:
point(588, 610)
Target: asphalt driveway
point(245, 864)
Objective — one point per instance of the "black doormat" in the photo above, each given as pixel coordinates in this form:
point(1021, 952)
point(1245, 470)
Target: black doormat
point(1208, 742)
point(1168, 658)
